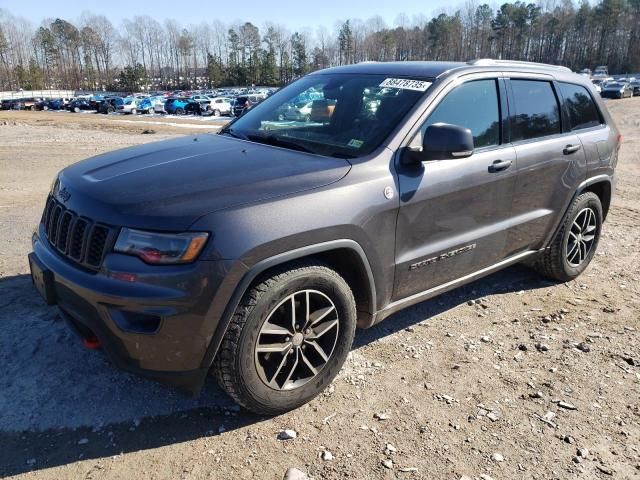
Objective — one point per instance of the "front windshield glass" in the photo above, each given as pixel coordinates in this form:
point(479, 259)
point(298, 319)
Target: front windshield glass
point(342, 115)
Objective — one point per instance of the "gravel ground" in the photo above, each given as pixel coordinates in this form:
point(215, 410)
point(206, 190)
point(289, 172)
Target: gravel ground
point(509, 377)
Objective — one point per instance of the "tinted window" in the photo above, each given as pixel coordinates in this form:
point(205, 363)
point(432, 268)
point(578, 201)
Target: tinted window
point(583, 113)
point(536, 110)
point(473, 105)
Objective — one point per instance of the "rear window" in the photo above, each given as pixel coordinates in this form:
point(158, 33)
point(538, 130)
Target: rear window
point(577, 101)
point(536, 110)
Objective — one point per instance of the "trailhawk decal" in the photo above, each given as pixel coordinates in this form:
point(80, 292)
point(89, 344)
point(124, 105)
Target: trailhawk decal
point(406, 84)
point(442, 256)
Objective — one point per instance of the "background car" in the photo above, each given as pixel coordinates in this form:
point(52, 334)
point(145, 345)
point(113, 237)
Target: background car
point(176, 106)
point(52, 104)
point(78, 105)
point(110, 105)
point(197, 107)
point(301, 112)
point(245, 102)
point(129, 105)
point(635, 87)
point(220, 106)
point(616, 90)
point(149, 104)
point(17, 104)
point(31, 102)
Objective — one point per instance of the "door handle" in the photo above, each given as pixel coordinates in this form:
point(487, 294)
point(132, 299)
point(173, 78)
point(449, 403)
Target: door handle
point(499, 165)
point(569, 149)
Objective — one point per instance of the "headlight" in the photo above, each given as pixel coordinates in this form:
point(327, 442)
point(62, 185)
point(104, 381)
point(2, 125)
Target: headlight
point(161, 248)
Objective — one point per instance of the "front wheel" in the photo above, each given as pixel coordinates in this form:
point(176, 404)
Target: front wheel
point(575, 244)
point(287, 339)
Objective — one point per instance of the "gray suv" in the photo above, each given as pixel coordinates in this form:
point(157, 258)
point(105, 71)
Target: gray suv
point(255, 253)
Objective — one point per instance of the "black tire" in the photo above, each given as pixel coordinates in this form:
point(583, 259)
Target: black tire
point(179, 111)
point(236, 363)
point(554, 262)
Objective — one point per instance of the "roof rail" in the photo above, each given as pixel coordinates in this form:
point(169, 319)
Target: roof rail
point(491, 61)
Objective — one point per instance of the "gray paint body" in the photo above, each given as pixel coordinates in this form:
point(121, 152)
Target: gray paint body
point(264, 206)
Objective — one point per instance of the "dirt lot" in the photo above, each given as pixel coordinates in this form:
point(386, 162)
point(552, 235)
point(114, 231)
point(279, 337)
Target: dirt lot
point(452, 388)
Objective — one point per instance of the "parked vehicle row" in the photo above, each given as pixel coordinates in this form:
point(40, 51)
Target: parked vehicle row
point(214, 103)
point(617, 88)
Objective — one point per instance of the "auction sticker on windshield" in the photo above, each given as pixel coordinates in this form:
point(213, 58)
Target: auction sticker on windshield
point(406, 84)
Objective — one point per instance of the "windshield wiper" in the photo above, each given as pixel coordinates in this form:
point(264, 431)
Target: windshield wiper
point(278, 142)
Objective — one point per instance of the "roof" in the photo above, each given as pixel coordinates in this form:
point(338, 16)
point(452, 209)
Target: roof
point(408, 69)
point(435, 69)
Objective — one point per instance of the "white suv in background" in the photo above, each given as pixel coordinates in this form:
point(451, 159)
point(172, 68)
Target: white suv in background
point(220, 106)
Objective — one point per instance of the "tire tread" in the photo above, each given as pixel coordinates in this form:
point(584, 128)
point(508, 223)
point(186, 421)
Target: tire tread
point(224, 366)
point(550, 262)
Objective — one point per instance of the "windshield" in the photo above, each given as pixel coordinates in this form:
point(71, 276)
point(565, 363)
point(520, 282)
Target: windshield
point(342, 115)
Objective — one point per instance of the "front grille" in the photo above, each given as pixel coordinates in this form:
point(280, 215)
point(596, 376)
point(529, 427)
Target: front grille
point(76, 237)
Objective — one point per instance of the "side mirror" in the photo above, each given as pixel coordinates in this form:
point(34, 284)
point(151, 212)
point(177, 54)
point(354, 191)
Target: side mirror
point(443, 141)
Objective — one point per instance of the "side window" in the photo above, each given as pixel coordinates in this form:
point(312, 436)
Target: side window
point(536, 110)
point(473, 105)
point(577, 101)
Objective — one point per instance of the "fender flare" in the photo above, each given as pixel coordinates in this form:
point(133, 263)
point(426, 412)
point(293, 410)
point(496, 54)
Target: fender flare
point(270, 262)
point(581, 188)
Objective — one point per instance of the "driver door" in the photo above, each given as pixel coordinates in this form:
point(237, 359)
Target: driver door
point(454, 214)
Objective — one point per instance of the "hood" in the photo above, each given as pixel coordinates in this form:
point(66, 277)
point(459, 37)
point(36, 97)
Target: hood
point(170, 184)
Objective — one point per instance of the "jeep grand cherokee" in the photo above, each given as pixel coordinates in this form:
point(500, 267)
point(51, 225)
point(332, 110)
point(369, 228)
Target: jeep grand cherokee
point(256, 252)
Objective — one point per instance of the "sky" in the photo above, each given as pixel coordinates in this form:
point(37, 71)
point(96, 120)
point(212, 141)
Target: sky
point(293, 14)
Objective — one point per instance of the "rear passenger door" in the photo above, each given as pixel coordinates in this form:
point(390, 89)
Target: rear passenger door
point(550, 158)
point(585, 120)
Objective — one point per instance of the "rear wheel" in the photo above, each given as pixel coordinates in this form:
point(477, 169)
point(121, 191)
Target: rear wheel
point(575, 243)
point(288, 339)
point(179, 111)
point(216, 113)
point(76, 109)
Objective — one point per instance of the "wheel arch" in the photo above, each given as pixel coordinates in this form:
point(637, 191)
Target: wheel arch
point(345, 256)
point(602, 188)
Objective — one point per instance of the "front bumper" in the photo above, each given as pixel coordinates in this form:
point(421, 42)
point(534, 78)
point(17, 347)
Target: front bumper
point(158, 326)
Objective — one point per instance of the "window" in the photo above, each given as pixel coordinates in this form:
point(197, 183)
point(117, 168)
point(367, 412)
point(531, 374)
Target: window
point(577, 101)
point(334, 114)
point(536, 110)
point(472, 105)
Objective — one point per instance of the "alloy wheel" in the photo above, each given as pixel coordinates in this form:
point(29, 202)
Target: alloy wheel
point(581, 237)
point(296, 340)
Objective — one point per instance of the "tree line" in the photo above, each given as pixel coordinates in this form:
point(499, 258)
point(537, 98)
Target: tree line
point(93, 54)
